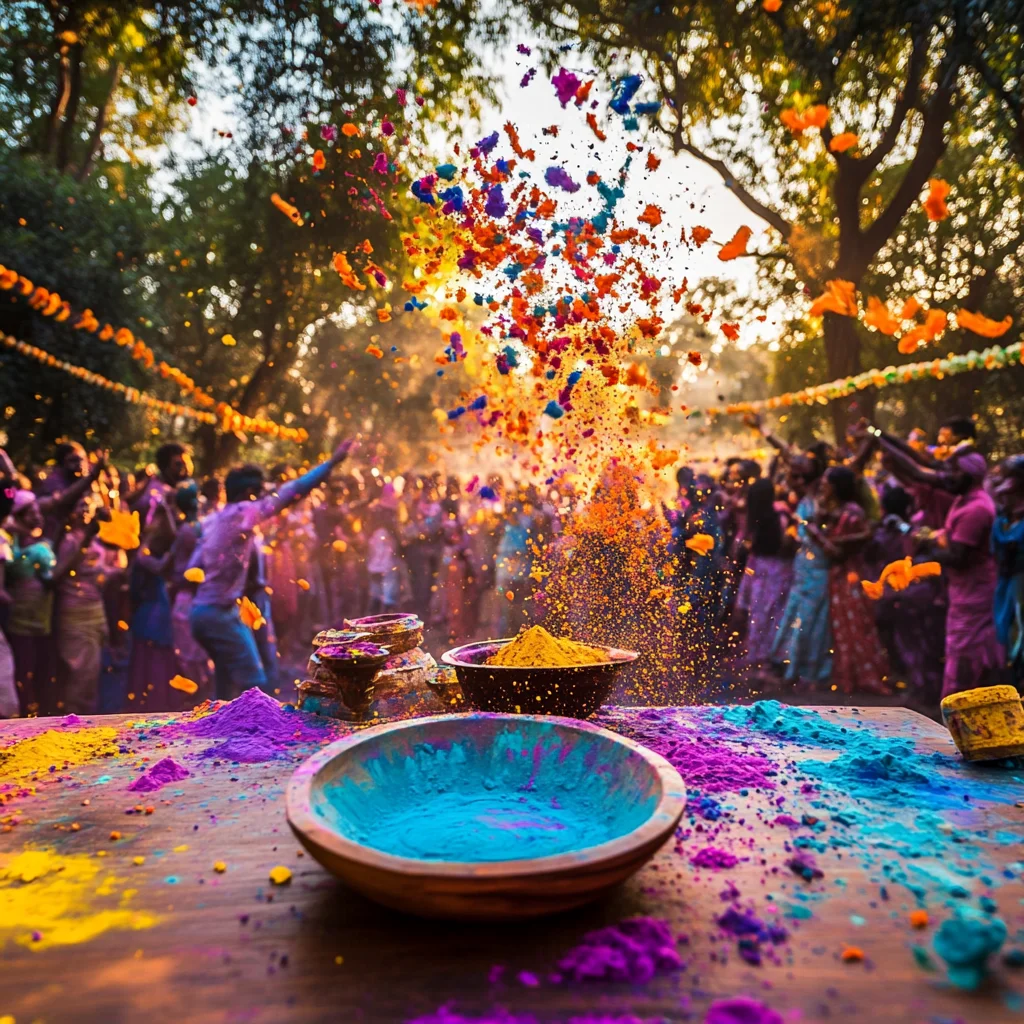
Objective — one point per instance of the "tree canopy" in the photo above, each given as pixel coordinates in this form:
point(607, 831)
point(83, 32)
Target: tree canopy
point(909, 92)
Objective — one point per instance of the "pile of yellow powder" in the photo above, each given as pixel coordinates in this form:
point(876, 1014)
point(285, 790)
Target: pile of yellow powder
point(38, 754)
point(537, 648)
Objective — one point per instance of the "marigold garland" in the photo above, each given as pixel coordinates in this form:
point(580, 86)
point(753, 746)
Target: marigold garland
point(993, 358)
point(224, 416)
point(51, 304)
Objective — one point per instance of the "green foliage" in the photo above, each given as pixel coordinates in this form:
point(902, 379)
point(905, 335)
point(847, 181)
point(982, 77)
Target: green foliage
point(89, 243)
point(219, 259)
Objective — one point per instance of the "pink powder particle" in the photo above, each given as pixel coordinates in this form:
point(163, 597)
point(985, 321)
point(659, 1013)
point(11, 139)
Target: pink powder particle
point(159, 775)
point(633, 950)
point(741, 1010)
point(713, 858)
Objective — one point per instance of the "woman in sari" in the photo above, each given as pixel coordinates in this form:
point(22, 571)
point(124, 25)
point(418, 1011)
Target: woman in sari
point(768, 574)
point(859, 662)
point(802, 650)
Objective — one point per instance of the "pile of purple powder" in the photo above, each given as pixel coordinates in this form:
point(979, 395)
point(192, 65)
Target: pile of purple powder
point(256, 728)
point(634, 950)
point(159, 775)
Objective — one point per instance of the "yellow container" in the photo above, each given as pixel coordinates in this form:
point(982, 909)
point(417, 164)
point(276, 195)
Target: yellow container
point(987, 723)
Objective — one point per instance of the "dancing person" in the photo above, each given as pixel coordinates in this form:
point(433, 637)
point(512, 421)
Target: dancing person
point(30, 583)
point(841, 530)
point(174, 467)
point(803, 644)
point(768, 574)
point(911, 622)
point(153, 663)
point(8, 689)
point(193, 662)
point(1008, 547)
point(225, 553)
point(974, 656)
point(84, 567)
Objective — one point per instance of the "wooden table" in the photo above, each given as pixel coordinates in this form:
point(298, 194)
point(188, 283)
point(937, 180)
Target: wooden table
point(232, 947)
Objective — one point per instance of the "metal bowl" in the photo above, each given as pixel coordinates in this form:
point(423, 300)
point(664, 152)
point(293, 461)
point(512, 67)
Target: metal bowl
point(479, 816)
point(574, 690)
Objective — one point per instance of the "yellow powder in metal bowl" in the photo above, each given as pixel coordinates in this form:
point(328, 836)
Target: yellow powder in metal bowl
point(537, 648)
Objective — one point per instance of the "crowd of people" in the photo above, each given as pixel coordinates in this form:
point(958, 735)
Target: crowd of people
point(753, 573)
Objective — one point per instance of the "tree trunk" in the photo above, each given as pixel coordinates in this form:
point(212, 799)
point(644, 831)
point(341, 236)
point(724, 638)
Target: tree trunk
point(95, 144)
point(66, 139)
point(225, 448)
point(60, 102)
point(842, 353)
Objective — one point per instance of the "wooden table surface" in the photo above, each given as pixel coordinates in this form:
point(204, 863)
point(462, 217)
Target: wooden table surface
point(232, 947)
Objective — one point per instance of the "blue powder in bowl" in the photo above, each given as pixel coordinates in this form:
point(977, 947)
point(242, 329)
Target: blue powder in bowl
point(514, 793)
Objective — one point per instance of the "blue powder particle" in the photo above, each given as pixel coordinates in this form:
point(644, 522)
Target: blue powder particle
point(625, 90)
point(446, 171)
point(965, 942)
point(554, 410)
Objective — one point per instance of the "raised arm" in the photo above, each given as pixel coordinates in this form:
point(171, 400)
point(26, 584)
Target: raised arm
point(907, 468)
point(64, 501)
point(897, 443)
point(783, 448)
point(297, 489)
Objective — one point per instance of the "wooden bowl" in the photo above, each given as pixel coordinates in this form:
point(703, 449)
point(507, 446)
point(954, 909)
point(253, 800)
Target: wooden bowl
point(575, 690)
point(481, 816)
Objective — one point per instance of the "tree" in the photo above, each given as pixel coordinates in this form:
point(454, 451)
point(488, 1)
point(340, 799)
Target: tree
point(908, 79)
point(78, 82)
point(90, 242)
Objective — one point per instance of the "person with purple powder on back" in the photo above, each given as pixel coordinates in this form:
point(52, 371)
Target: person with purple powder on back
point(225, 554)
point(974, 656)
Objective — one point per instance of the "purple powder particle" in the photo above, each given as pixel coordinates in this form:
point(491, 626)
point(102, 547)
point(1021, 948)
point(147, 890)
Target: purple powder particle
point(159, 775)
point(713, 858)
point(558, 177)
point(495, 206)
point(633, 950)
point(328, 132)
point(741, 1010)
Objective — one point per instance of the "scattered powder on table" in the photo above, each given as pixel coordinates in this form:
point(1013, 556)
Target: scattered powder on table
point(750, 932)
point(965, 942)
point(709, 766)
point(159, 775)
point(713, 858)
point(537, 648)
point(246, 750)
point(634, 950)
point(741, 1010)
point(56, 750)
point(51, 900)
point(446, 1015)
